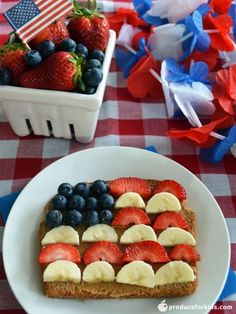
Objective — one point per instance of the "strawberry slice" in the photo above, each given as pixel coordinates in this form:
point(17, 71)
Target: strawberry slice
point(170, 186)
point(59, 251)
point(103, 251)
point(184, 252)
point(120, 186)
point(149, 251)
point(170, 219)
point(130, 215)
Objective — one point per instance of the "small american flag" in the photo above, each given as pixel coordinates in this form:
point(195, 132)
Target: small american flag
point(29, 17)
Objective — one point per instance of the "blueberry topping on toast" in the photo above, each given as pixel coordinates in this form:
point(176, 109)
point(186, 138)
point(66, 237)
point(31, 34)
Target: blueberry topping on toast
point(76, 202)
point(59, 202)
point(82, 189)
point(65, 189)
point(91, 217)
point(106, 201)
point(73, 218)
point(54, 218)
point(91, 203)
point(99, 187)
point(105, 216)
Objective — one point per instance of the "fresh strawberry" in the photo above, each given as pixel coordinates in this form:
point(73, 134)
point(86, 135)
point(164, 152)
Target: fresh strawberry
point(60, 71)
point(170, 186)
point(130, 215)
point(59, 251)
point(170, 219)
point(184, 252)
point(149, 251)
point(89, 27)
point(103, 251)
point(120, 186)
point(57, 31)
point(12, 58)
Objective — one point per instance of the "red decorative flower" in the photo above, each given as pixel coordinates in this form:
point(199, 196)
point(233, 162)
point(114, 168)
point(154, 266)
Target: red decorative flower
point(220, 6)
point(125, 16)
point(225, 90)
point(200, 135)
point(210, 57)
point(221, 39)
point(141, 82)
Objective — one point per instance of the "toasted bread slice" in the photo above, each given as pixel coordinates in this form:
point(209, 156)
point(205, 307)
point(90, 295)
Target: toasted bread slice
point(102, 290)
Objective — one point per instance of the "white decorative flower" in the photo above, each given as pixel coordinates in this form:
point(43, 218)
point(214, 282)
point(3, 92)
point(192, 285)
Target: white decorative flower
point(164, 41)
point(190, 99)
point(174, 10)
point(126, 34)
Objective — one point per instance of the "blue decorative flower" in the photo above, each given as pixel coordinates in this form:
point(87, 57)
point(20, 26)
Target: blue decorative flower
point(142, 6)
point(198, 72)
point(127, 60)
point(199, 41)
point(220, 149)
point(154, 20)
point(232, 13)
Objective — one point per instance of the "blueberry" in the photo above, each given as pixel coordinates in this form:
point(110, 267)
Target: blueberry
point(91, 217)
point(5, 76)
point(54, 218)
point(59, 202)
point(68, 45)
point(81, 50)
point(99, 187)
point(91, 203)
point(93, 63)
point(93, 77)
point(32, 58)
point(46, 48)
point(105, 216)
point(73, 218)
point(65, 189)
point(76, 202)
point(97, 54)
point(106, 201)
point(90, 90)
point(82, 188)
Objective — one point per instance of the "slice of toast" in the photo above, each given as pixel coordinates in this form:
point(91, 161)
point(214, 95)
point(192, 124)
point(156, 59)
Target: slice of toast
point(101, 290)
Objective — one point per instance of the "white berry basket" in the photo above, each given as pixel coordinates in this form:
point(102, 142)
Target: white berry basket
point(55, 113)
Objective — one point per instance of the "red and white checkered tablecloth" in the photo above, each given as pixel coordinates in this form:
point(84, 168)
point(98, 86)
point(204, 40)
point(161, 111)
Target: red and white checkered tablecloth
point(123, 121)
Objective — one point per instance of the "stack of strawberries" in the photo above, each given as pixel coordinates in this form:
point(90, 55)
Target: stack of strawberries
point(63, 57)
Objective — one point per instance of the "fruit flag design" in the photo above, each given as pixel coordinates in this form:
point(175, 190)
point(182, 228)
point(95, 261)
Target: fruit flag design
point(111, 249)
point(29, 17)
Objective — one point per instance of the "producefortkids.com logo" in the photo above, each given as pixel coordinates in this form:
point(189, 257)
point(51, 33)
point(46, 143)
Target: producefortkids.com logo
point(164, 307)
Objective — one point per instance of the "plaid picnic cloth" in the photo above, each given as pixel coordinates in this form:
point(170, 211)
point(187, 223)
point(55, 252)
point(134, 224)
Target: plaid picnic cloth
point(123, 121)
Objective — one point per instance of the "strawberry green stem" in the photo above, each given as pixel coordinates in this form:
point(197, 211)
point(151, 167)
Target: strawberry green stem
point(89, 4)
point(80, 10)
point(94, 4)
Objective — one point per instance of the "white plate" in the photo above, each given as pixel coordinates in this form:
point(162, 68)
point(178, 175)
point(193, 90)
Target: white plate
point(20, 247)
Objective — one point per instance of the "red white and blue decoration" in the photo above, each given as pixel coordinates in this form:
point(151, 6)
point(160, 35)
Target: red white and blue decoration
point(186, 51)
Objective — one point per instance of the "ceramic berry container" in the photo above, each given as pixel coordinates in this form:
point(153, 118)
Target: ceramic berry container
point(56, 113)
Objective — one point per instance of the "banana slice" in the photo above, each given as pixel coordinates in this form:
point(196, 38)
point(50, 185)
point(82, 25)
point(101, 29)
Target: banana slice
point(174, 272)
point(137, 273)
point(130, 199)
point(62, 271)
point(98, 271)
point(138, 233)
point(100, 232)
point(162, 202)
point(174, 235)
point(61, 234)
